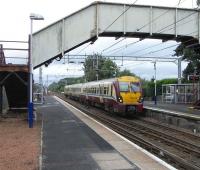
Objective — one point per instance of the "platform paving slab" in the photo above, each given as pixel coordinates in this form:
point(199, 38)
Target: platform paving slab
point(69, 144)
point(184, 108)
point(127, 149)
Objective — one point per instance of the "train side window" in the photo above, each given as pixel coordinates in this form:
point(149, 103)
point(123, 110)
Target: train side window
point(104, 92)
point(110, 88)
point(95, 90)
point(101, 90)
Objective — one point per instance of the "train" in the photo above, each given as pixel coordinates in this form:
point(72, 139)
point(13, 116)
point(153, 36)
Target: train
point(121, 95)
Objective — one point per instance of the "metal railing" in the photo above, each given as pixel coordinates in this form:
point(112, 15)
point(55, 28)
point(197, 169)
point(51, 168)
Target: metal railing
point(17, 54)
point(2, 56)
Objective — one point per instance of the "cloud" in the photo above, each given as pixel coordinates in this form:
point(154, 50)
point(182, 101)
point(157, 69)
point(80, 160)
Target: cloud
point(15, 25)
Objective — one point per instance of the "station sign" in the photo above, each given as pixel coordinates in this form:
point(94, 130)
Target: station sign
point(193, 77)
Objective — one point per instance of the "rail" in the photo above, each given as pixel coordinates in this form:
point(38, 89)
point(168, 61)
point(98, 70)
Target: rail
point(178, 148)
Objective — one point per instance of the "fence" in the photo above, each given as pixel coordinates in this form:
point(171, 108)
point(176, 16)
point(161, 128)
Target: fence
point(38, 94)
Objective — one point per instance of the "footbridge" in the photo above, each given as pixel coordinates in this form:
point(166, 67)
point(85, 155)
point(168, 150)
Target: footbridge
point(114, 20)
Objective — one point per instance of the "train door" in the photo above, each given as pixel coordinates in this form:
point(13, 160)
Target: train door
point(113, 93)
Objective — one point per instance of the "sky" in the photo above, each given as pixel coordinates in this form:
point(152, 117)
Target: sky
point(15, 25)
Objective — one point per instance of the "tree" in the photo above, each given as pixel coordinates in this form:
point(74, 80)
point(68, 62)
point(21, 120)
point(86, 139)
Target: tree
point(198, 2)
point(97, 65)
point(59, 86)
point(149, 86)
point(190, 50)
point(126, 72)
point(191, 54)
point(109, 69)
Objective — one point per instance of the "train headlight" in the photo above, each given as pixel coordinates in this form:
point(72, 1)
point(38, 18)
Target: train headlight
point(120, 99)
point(140, 100)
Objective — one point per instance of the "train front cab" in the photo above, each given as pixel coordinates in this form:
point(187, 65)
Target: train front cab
point(129, 96)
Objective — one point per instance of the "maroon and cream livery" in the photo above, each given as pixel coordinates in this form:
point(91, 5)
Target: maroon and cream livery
point(119, 95)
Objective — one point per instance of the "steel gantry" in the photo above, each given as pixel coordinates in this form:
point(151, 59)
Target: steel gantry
point(70, 58)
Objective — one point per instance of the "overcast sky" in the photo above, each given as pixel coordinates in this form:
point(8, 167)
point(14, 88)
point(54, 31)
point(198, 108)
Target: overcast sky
point(15, 25)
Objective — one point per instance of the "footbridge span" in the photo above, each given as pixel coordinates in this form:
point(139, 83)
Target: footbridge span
point(116, 20)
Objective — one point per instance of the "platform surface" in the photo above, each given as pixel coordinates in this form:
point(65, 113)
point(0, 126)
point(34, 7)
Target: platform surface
point(173, 107)
point(69, 144)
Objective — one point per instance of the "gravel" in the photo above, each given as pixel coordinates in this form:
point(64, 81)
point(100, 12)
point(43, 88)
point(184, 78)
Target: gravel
point(19, 145)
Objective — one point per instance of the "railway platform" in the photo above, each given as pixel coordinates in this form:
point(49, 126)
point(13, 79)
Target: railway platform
point(73, 140)
point(176, 108)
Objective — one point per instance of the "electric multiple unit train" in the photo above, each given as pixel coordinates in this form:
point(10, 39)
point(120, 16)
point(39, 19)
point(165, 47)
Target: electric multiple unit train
point(118, 95)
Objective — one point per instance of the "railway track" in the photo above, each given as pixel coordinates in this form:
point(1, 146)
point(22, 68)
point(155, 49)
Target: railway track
point(177, 147)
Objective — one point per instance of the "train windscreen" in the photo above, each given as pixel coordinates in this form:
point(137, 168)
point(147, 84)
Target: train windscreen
point(129, 86)
point(124, 86)
point(135, 86)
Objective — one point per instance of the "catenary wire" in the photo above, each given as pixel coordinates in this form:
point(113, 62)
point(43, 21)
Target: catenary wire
point(120, 16)
point(112, 24)
point(156, 44)
point(140, 28)
point(119, 48)
point(151, 52)
point(137, 29)
point(83, 49)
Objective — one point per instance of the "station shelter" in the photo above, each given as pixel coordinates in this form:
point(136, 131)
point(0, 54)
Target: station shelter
point(180, 93)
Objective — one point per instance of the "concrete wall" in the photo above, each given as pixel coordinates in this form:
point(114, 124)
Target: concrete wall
point(182, 122)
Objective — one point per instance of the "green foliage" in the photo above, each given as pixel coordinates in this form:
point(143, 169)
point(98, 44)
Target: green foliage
point(55, 87)
point(97, 64)
point(106, 69)
point(125, 72)
point(198, 2)
point(149, 86)
point(192, 56)
point(59, 86)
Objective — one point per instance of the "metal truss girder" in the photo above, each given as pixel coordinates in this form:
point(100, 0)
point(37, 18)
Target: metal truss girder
point(110, 19)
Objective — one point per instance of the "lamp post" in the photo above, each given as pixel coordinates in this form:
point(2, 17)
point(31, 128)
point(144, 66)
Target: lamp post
point(30, 104)
point(41, 84)
point(155, 92)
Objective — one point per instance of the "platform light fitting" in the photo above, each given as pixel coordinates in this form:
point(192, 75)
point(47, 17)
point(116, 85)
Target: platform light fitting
point(34, 16)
